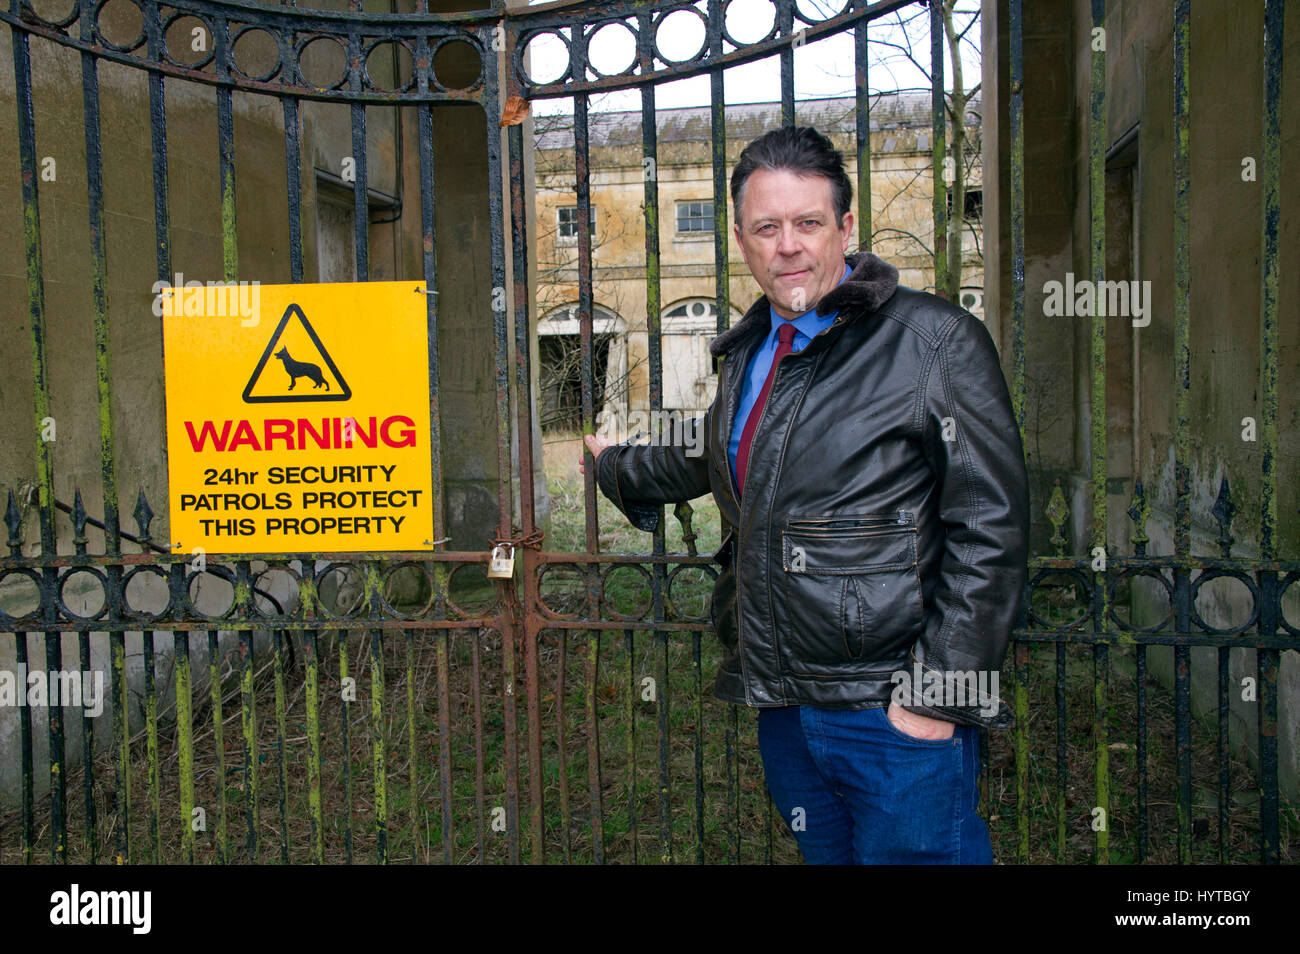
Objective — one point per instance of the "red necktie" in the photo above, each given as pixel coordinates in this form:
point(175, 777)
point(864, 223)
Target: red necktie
point(786, 341)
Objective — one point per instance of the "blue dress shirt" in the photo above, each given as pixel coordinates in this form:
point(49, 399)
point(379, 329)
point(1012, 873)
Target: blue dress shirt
point(806, 327)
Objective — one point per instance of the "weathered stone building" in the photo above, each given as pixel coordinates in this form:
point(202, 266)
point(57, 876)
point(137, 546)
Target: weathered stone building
point(902, 226)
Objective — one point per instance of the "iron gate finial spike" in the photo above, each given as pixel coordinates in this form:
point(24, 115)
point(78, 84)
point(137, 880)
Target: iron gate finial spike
point(1224, 510)
point(143, 517)
point(78, 521)
point(14, 521)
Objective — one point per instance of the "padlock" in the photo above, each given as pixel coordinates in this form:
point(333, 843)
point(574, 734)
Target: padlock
point(502, 564)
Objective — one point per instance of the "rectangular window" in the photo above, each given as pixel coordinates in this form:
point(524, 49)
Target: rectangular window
point(695, 216)
point(974, 205)
point(568, 223)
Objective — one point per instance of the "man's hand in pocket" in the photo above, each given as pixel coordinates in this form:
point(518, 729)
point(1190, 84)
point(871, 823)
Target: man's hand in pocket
point(919, 726)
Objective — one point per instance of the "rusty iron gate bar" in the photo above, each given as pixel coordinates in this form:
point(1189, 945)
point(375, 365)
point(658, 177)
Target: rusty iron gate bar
point(386, 639)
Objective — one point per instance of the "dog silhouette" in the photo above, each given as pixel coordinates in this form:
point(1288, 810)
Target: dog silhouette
point(301, 369)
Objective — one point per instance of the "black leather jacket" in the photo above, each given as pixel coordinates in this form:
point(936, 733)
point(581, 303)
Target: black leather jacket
point(885, 529)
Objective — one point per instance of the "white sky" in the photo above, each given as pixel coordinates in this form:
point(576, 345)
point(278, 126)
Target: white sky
point(821, 69)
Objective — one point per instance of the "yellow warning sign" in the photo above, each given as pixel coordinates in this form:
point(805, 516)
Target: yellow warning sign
point(298, 418)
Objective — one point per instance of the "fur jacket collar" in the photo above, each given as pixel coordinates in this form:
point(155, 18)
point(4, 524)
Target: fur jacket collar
point(869, 285)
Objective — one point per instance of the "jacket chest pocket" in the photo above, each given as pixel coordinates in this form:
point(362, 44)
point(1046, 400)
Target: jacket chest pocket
point(851, 589)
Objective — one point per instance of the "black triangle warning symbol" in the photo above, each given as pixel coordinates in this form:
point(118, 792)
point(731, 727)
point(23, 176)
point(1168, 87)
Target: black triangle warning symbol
point(304, 379)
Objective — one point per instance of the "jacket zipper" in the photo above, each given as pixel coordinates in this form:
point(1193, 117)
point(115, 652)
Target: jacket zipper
point(882, 521)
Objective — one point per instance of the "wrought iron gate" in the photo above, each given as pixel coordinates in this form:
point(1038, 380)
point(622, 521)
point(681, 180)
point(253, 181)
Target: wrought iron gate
point(495, 766)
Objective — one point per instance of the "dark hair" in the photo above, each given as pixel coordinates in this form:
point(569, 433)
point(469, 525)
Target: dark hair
point(802, 150)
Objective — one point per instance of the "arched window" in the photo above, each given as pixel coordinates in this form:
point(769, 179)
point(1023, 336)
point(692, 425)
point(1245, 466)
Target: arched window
point(687, 328)
point(564, 321)
point(693, 312)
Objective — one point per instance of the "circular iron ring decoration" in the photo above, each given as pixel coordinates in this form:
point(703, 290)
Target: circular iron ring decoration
point(341, 567)
point(521, 48)
point(370, 84)
point(35, 614)
point(218, 572)
point(1068, 574)
point(307, 40)
point(670, 605)
point(149, 569)
point(1208, 575)
point(166, 50)
point(91, 571)
point(109, 44)
point(593, 29)
point(610, 612)
point(704, 39)
point(425, 575)
point(591, 585)
point(281, 47)
point(491, 609)
point(436, 48)
point(1133, 574)
point(255, 598)
point(772, 33)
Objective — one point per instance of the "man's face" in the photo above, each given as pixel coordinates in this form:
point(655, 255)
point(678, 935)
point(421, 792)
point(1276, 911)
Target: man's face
point(787, 233)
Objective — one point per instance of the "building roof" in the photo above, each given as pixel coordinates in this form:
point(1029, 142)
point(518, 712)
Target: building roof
point(745, 121)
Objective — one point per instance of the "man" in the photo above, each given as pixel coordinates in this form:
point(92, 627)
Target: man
point(871, 482)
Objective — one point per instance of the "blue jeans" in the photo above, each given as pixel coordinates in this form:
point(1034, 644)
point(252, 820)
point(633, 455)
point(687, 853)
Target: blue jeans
point(853, 789)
